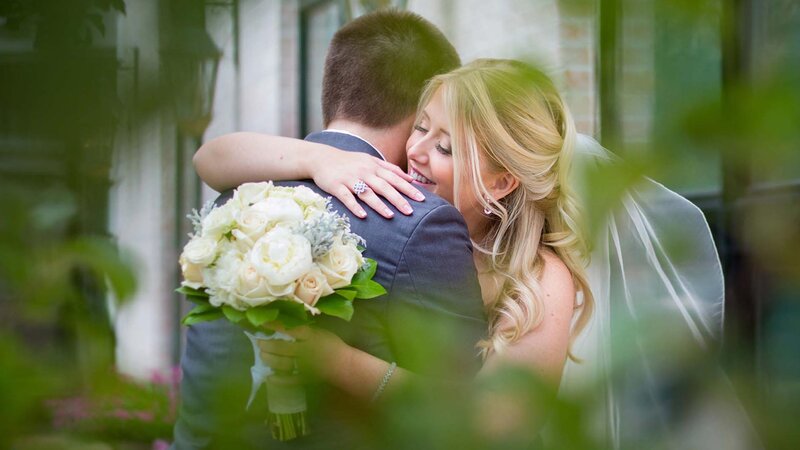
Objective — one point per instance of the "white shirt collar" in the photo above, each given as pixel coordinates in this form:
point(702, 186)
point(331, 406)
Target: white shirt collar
point(357, 136)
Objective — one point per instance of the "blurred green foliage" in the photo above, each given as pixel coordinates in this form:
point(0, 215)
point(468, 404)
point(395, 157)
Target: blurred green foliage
point(58, 266)
point(60, 24)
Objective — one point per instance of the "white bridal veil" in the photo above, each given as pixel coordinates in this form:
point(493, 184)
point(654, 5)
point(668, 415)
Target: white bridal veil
point(659, 292)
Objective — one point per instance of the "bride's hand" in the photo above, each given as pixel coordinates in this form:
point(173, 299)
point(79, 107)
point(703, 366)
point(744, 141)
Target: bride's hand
point(338, 172)
point(315, 350)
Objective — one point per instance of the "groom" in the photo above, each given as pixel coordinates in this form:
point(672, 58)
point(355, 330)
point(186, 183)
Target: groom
point(375, 70)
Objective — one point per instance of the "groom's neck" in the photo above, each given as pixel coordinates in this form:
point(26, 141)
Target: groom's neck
point(391, 141)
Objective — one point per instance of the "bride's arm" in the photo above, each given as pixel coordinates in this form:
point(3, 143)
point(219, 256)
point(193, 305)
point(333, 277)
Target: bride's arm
point(232, 159)
point(324, 354)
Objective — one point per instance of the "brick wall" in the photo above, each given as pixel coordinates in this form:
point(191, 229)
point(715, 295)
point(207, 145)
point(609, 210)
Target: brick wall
point(264, 88)
point(578, 36)
point(561, 40)
point(637, 72)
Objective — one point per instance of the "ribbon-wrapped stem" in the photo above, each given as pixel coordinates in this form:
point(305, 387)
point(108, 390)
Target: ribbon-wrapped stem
point(286, 397)
point(286, 400)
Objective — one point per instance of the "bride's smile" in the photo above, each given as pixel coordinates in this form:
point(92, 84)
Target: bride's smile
point(430, 162)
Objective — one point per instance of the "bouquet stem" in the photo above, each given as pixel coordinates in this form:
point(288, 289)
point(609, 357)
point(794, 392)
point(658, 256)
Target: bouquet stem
point(286, 399)
point(286, 427)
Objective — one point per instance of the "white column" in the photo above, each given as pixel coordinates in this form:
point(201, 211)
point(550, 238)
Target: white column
point(140, 214)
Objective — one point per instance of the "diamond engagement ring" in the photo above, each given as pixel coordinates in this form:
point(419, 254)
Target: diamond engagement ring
point(359, 187)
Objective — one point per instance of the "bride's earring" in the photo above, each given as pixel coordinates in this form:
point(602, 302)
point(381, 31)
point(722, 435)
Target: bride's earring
point(487, 211)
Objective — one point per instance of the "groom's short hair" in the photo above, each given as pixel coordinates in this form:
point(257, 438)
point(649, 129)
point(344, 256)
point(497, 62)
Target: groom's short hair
point(378, 64)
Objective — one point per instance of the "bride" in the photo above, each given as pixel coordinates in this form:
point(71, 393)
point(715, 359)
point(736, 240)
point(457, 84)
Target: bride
point(496, 139)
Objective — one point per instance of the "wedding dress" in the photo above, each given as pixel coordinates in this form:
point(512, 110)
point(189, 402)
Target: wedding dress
point(659, 305)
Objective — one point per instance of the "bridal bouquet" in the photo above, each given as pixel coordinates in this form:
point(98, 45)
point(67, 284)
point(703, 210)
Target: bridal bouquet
point(274, 255)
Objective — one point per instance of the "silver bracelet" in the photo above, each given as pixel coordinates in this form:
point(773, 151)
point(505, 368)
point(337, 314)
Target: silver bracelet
point(384, 382)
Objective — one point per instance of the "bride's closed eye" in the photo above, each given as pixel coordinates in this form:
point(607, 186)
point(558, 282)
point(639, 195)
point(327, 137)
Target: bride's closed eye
point(439, 147)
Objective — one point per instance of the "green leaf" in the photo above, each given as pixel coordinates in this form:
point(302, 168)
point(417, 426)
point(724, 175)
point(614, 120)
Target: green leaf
point(370, 289)
point(292, 314)
point(186, 290)
point(347, 293)
point(233, 314)
point(337, 306)
point(206, 316)
point(197, 300)
point(262, 314)
point(290, 322)
point(196, 296)
point(364, 275)
point(202, 308)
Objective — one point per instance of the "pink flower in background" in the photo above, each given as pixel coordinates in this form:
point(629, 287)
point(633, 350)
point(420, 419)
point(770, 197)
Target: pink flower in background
point(123, 408)
point(160, 444)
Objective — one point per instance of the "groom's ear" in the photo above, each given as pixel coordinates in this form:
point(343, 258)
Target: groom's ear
point(503, 184)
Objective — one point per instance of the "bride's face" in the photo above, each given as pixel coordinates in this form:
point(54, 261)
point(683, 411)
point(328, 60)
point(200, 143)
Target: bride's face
point(430, 160)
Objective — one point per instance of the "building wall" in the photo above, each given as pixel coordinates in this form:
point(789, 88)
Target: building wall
point(258, 90)
point(559, 39)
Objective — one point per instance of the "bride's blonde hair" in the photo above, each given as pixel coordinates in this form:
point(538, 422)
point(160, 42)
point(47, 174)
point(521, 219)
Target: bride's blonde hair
point(507, 116)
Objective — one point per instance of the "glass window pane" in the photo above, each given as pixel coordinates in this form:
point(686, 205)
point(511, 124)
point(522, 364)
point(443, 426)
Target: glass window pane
point(670, 62)
point(776, 63)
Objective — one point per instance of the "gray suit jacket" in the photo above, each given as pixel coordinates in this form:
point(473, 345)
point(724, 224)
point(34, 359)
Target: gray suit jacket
point(428, 322)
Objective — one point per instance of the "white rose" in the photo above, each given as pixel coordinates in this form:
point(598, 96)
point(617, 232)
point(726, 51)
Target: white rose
point(192, 274)
point(219, 221)
point(311, 213)
point(241, 241)
point(312, 203)
point(340, 264)
point(279, 210)
point(281, 192)
point(312, 287)
point(253, 222)
point(200, 250)
point(252, 289)
point(218, 297)
point(307, 197)
point(281, 257)
point(249, 193)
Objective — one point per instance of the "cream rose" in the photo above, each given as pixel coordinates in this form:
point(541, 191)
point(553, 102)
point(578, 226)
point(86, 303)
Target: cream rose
point(340, 264)
point(312, 287)
point(200, 250)
point(281, 257)
point(192, 274)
